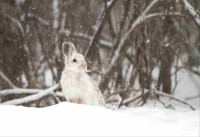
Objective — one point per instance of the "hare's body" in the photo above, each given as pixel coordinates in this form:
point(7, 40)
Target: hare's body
point(77, 85)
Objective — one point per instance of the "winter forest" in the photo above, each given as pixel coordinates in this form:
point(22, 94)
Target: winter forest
point(144, 56)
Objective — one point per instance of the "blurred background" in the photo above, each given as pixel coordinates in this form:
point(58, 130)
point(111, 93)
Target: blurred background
point(130, 46)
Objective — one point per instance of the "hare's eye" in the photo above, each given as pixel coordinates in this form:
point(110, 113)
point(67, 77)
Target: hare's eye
point(74, 60)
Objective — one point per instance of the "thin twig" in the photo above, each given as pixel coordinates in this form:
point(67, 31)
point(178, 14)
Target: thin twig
point(132, 100)
point(103, 42)
point(176, 73)
point(172, 97)
point(154, 94)
point(5, 78)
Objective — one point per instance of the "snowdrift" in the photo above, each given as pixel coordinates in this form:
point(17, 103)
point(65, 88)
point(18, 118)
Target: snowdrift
point(67, 119)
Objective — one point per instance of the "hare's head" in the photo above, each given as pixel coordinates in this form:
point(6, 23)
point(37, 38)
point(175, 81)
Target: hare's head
point(73, 60)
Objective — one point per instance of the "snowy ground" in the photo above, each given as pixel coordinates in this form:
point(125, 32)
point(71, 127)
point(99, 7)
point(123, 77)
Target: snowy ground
point(82, 120)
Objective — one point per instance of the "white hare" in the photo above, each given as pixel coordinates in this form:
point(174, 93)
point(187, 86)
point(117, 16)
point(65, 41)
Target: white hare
point(77, 85)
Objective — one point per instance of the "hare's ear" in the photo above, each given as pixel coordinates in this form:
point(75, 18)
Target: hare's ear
point(68, 48)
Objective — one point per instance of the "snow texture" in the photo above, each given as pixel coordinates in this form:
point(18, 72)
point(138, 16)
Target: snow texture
point(67, 119)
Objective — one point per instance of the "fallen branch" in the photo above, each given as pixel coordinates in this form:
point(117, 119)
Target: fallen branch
point(31, 98)
point(19, 91)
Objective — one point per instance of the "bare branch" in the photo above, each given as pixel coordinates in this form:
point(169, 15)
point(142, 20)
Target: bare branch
point(5, 78)
point(100, 25)
point(134, 99)
point(155, 93)
point(39, 19)
point(32, 81)
point(172, 97)
point(192, 12)
point(16, 22)
point(125, 37)
point(86, 36)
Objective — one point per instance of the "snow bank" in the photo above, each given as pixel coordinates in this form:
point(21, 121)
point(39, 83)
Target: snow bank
point(81, 120)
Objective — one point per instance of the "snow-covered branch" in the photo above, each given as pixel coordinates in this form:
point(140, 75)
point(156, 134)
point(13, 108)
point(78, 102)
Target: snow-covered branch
point(25, 91)
point(19, 91)
point(192, 12)
point(151, 15)
point(33, 97)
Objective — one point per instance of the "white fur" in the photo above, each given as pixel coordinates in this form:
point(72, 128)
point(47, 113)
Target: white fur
point(77, 85)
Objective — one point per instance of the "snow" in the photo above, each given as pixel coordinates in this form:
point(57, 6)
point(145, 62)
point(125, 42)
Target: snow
point(147, 41)
point(166, 45)
point(187, 87)
point(67, 119)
